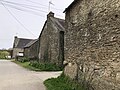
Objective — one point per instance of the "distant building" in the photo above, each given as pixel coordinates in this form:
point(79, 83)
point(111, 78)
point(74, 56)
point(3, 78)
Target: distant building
point(31, 50)
point(51, 40)
point(18, 46)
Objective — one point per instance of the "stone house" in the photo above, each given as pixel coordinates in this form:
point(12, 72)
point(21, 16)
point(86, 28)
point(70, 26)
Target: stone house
point(92, 43)
point(51, 40)
point(31, 50)
point(18, 46)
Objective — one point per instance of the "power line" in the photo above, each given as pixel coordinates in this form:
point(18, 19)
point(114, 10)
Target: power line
point(43, 5)
point(22, 4)
point(23, 10)
point(26, 6)
point(29, 11)
point(17, 19)
point(32, 11)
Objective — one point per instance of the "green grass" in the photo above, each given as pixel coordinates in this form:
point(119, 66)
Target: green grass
point(46, 66)
point(62, 83)
point(35, 66)
point(26, 65)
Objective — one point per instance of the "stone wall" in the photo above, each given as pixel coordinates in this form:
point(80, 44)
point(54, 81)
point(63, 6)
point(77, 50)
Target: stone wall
point(92, 43)
point(49, 42)
point(32, 51)
point(16, 51)
point(26, 52)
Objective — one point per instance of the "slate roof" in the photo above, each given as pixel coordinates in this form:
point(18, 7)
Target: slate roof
point(31, 43)
point(43, 28)
point(58, 23)
point(74, 2)
point(21, 42)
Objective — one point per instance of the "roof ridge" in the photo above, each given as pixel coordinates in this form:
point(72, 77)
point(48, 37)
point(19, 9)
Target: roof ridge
point(58, 22)
point(31, 43)
point(73, 2)
point(59, 18)
point(26, 38)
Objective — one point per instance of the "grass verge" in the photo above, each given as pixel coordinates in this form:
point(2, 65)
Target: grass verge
point(46, 66)
point(26, 65)
point(62, 83)
point(35, 66)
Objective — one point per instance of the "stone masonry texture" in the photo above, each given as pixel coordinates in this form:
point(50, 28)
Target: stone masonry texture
point(32, 51)
point(49, 40)
point(92, 43)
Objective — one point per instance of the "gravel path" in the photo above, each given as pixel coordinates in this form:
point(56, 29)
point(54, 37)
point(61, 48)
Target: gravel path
point(14, 77)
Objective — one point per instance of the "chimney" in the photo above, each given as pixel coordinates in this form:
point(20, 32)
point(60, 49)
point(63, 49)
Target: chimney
point(51, 14)
point(15, 37)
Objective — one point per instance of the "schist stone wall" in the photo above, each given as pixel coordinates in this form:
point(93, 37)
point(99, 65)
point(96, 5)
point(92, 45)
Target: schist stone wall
point(32, 50)
point(51, 48)
point(92, 43)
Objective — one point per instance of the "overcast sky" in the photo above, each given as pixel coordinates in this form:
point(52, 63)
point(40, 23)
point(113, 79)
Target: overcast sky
point(25, 18)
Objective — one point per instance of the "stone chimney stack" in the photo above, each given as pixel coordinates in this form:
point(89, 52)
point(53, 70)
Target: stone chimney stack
point(15, 37)
point(51, 14)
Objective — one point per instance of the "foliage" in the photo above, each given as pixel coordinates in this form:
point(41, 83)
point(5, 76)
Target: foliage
point(36, 66)
point(3, 54)
point(24, 59)
point(46, 66)
point(26, 65)
point(62, 83)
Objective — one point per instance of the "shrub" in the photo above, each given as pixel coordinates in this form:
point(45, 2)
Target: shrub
point(62, 83)
point(36, 66)
point(45, 66)
point(23, 59)
point(3, 54)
